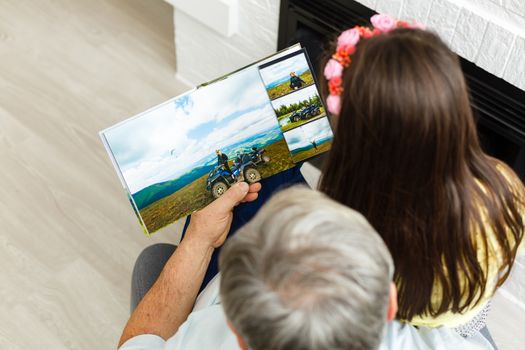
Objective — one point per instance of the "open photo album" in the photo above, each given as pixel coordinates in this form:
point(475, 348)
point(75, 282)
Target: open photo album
point(179, 156)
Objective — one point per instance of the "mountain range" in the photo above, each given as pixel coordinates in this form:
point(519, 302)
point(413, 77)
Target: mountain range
point(153, 193)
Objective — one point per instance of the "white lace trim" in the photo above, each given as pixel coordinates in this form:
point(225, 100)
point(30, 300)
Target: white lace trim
point(476, 324)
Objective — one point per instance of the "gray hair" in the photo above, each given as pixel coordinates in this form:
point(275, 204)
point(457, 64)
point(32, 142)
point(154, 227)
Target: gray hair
point(306, 273)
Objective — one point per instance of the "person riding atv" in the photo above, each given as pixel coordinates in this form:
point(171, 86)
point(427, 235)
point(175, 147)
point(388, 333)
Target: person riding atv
point(244, 169)
point(222, 160)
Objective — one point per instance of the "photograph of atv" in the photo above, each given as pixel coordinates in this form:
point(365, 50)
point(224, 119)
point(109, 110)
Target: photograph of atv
point(305, 113)
point(244, 169)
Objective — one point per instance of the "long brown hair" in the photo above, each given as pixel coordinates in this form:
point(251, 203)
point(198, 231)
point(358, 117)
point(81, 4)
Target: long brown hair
point(406, 155)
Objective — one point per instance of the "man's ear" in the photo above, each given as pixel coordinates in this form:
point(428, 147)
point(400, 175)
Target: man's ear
point(240, 341)
point(392, 303)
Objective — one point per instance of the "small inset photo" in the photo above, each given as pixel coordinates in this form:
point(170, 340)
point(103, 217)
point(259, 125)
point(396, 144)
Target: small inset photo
point(299, 108)
point(309, 140)
point(286, 76)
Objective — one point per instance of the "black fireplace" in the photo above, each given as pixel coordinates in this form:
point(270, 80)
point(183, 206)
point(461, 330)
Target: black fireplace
point(498, 105)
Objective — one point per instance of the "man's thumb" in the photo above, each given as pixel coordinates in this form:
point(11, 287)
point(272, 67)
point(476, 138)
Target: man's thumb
point(234, 195)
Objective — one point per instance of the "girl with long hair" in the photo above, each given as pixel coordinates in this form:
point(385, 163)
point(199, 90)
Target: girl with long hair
point(407, 156)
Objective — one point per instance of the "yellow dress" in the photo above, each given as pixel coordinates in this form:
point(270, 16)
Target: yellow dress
point(450, 319)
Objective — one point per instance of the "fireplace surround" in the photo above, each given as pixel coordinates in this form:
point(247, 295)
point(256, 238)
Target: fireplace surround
point(498, 105)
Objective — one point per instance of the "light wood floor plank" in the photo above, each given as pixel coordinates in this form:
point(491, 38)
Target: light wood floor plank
point(69, 237)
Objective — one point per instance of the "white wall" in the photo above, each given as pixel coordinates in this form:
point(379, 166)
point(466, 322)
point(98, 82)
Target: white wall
point(490, 33)
point(204, 54)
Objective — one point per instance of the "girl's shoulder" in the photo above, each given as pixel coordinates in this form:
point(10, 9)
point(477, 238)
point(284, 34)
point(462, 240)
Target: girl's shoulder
point(507, 178)
point(518, 190)
point(515, 183)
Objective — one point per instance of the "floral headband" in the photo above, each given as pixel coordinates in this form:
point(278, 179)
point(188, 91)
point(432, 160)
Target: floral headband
point(346, 46)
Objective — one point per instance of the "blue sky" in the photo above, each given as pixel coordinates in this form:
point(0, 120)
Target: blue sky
point(170, 139)
point(282, 69)
point(304, 135)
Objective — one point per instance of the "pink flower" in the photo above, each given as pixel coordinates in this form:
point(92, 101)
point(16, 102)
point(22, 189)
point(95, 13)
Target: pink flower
point(349, 37)
point(382, 22)
point(333, 103)
point(335, 86)
point(333, 69)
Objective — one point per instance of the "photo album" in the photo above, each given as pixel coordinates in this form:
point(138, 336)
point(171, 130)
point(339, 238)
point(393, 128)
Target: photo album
point(177, 157)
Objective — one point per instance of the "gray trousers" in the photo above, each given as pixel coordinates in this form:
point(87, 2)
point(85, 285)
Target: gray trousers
point(150, 263)
point(147, 269)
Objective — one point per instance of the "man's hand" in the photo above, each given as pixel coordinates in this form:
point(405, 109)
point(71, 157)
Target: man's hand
point(211, 224)
point(169, 302)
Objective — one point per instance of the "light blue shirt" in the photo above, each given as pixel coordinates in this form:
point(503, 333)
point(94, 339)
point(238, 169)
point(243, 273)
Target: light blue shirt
point(206, 328)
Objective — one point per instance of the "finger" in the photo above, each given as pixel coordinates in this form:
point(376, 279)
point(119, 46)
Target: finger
point(256, 187)
point(250, 197)
point(233, 196)
point(252, 193)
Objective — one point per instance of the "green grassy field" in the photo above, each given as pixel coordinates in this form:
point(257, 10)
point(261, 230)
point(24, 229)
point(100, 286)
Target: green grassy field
point(195, 196)
point(285, 126)
point(284, 88)
point(312, 151)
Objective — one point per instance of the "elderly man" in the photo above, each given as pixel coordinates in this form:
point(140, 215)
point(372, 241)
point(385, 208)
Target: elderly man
point(305, 273)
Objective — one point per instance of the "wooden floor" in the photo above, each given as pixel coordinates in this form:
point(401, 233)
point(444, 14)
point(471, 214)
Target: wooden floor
point(69, 68)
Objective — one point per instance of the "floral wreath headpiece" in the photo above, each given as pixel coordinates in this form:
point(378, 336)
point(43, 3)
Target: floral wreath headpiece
point(346, 46)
